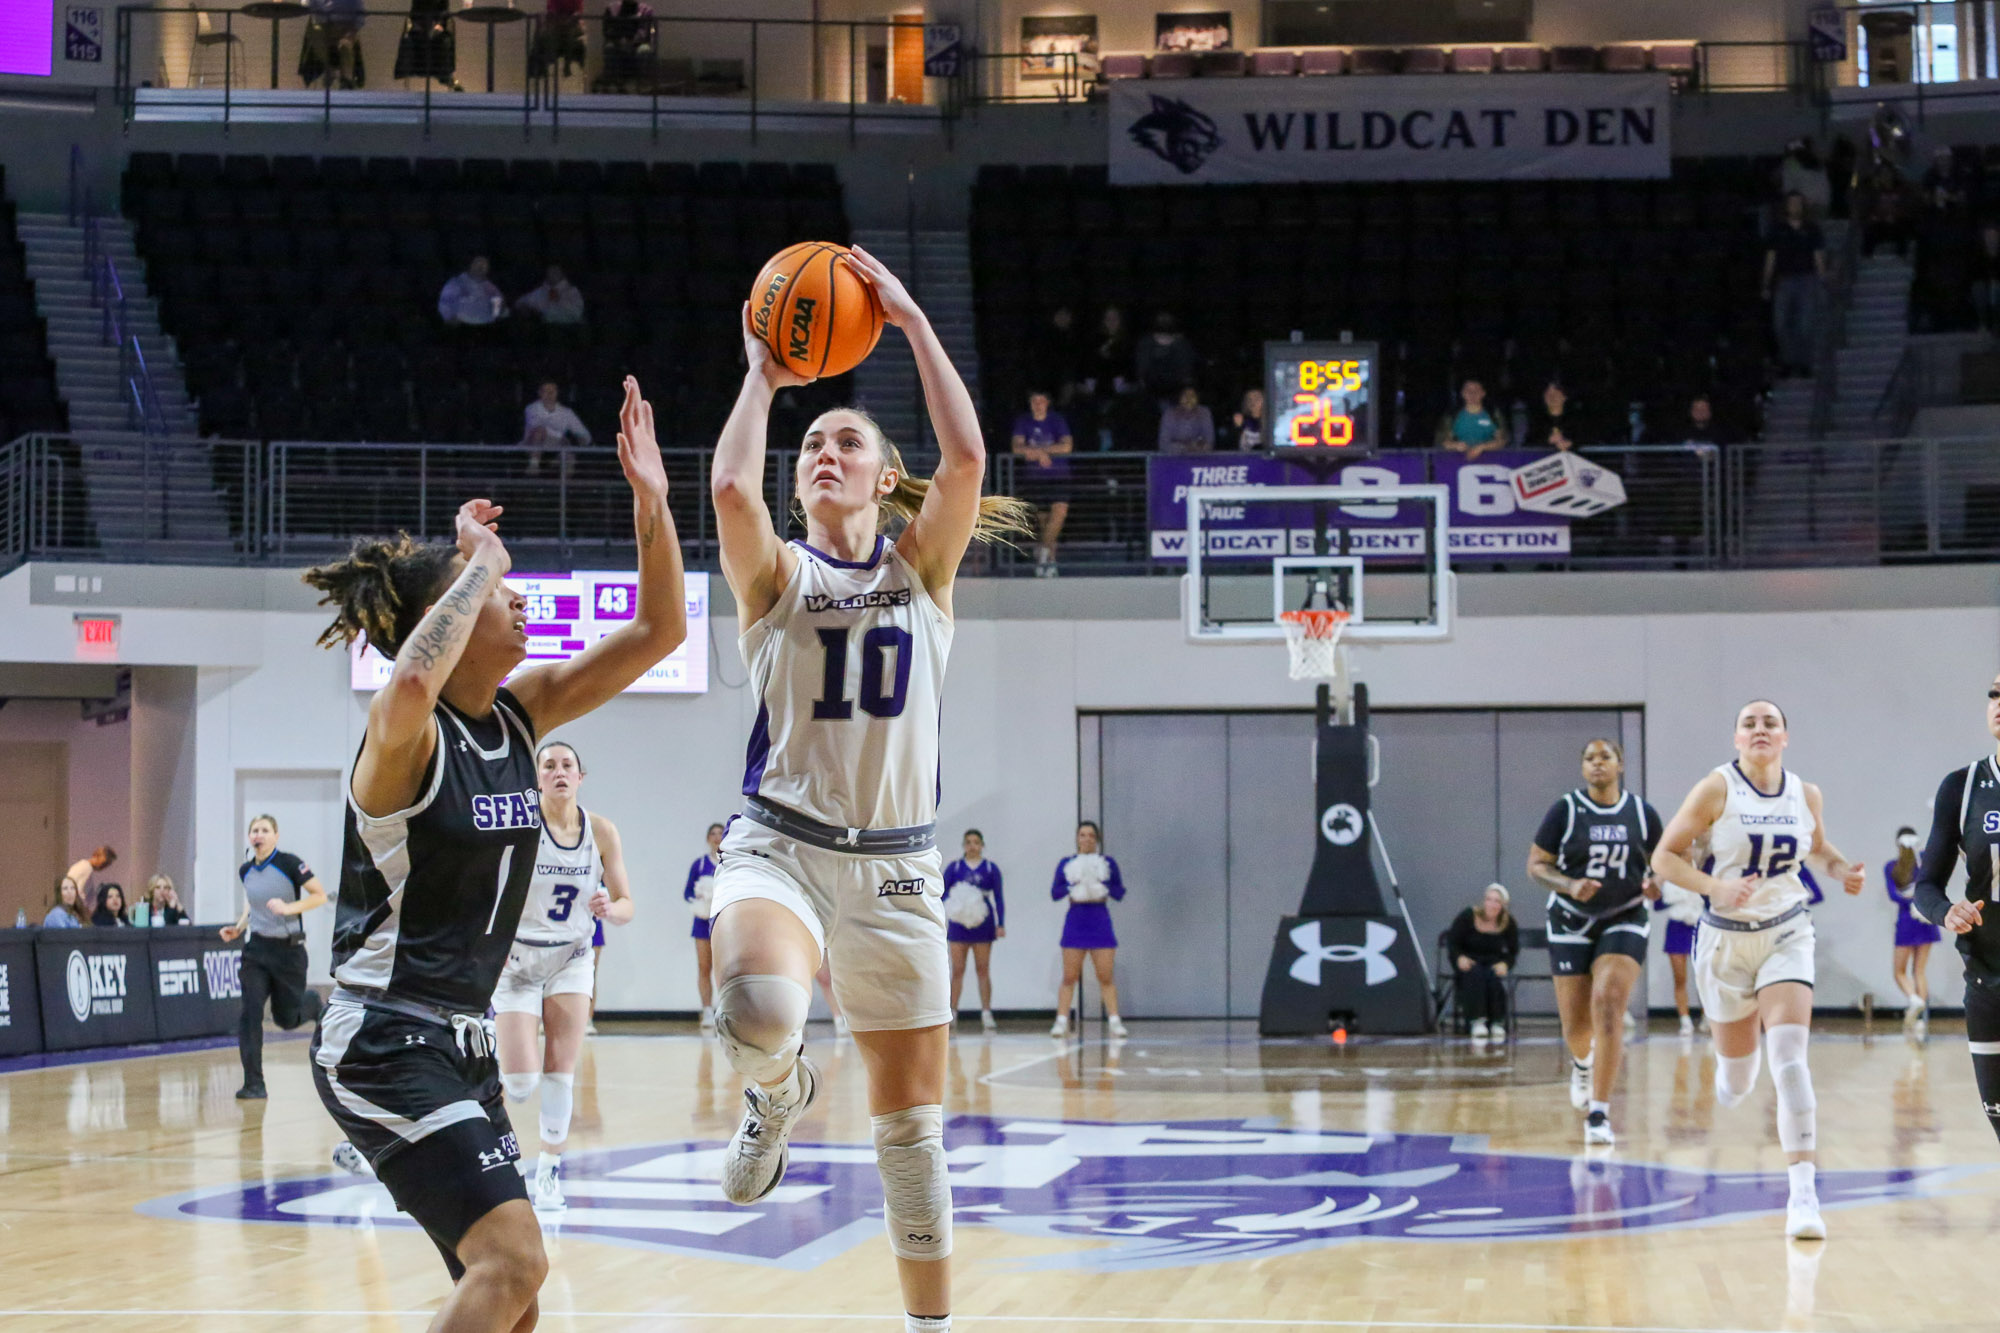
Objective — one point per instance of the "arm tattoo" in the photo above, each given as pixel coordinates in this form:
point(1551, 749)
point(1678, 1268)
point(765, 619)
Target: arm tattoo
point(427, 647)
point(464, 594)
point(650, 531)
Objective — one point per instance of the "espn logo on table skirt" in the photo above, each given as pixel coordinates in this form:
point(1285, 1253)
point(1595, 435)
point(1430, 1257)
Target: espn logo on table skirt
point(96, 984)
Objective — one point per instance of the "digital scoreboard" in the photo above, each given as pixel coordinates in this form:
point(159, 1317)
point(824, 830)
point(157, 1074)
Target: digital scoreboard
point(569, 612)
point(1320, 399)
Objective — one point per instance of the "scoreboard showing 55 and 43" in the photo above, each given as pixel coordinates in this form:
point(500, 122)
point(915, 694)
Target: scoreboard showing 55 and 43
point(1320, 398)
point(569, 612)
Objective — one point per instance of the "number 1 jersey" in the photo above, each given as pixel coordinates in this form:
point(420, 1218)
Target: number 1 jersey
point(558, 906)
point(1766, 834)
point(848, 666)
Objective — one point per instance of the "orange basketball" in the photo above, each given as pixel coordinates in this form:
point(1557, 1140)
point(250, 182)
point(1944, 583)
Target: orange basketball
point(813, 311)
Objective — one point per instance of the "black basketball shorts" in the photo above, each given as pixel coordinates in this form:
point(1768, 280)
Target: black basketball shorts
point(1576, 941)
point(429, 1117)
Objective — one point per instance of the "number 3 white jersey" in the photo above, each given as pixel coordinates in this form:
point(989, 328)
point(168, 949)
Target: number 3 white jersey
point(558, 906)
point(848, 667)
point(1766, 834)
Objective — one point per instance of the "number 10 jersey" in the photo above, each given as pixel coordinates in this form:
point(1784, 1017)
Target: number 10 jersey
point(558, 906)
point(848, 668)
point(1767, 834)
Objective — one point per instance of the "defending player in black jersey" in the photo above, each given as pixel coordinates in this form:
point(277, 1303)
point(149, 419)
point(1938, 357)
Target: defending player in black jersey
point(442, 825)
point(1592, 853)
point(1966, 820)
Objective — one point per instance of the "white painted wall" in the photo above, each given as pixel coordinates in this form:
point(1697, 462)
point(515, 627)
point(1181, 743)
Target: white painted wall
point(1882, 703)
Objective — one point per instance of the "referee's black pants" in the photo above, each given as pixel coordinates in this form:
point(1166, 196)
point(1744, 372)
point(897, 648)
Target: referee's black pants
point(274, 971)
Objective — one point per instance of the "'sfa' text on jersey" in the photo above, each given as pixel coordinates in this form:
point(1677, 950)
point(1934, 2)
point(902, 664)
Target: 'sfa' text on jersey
point(1609, 833)
point(508, 810)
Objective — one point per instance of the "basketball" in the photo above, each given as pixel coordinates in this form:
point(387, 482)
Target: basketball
point(813, 311)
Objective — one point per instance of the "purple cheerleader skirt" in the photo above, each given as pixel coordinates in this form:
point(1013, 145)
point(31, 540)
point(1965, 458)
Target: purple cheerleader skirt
point(984, 933)
point(700, 931)
point(1912, 930)
point(1680, 936)
point(597, 935)
point(1088, 926)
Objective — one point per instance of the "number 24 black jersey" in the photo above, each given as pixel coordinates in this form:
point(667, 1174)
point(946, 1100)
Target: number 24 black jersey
point(1612, 844)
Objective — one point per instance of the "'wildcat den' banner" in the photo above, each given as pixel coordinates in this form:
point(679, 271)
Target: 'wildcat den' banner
point(1405, 127)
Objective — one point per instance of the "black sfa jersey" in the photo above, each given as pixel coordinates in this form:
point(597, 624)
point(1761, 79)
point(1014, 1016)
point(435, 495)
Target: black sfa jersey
point(430, 896)
point(1612, 844)
point(1966, 820)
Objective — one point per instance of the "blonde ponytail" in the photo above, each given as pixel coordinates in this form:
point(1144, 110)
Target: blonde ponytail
point(1000, 516)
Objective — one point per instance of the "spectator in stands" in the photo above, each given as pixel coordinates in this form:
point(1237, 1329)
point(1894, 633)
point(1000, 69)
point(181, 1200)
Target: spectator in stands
point(1890, 209)
point(110, 907)
point(1164, 361)
point(85, 870)
point(1042, 438)
point(1794, 269)
point(69, 911)
point(332, 46)
point(1801, 173)
point(1555, 422)
point(556, 301)
point(628, 47)
point(1245, 429)
point(163, 903)
point(1943, 183)
point(561, 39)
point(1105, 382)
point(470, 300)
point(1058, 358)
point(1187, 427)
point(1941, 283)
point(1986, 277)
point(547, 424)
point(1484, 943)
point(1841, 159)
point(428, 49)
point(1699, 426)
point(1476, 428)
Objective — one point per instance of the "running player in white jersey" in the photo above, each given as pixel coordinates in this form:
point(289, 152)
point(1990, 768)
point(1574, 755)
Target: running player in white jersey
point(551, 970)
point(846, 635)
point(1753, 962)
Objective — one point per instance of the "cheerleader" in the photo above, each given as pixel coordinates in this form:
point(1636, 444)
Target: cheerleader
point(700, 891)
point(1087, 880)
point(1914, 935)
point(975, 915)
point(1683, 909)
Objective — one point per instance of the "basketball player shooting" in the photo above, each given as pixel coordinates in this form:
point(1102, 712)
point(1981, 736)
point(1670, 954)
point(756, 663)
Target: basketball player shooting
point(835, 854)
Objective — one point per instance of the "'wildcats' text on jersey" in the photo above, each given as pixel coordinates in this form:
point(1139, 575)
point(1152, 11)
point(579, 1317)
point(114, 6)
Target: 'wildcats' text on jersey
point(848, 666)
point(1767, 834)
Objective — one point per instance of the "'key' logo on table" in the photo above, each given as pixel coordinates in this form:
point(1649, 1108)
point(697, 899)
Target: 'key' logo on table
point(96, 984)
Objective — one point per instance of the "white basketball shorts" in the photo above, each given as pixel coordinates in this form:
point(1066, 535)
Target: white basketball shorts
point(1731, 966)
point(536, 971)
point(879, 920)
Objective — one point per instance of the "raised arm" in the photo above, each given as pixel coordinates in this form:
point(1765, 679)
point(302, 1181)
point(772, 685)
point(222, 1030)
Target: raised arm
point(1853, 875)
point(1698, 813)
point(561, 691)
point(936, 539)
point(756, 564)
point(618, 906)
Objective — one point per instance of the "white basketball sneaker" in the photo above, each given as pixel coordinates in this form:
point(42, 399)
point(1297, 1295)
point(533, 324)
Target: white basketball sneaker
point(1060, 1027)
point(1802, 1219)
point(547, 1194)
point(349, 1159)
point(1597, 1130)
point(1479, 1029)
point(757, 1153)
point(1687, 1027)
point(1117, 1026)
point(988, 1023)
point(1579, 1084)
point(708, 1022)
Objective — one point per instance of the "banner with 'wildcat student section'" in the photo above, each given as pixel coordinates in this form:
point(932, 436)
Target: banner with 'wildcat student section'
point(1232, 131)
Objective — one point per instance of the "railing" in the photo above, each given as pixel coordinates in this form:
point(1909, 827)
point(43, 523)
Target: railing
point(144, 411)
point(1028, 76)
point(1834, 298)
point(1863, 502)
point(653, 69)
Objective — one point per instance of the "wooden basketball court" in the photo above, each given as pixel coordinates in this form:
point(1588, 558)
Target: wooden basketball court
point(1191, 1177)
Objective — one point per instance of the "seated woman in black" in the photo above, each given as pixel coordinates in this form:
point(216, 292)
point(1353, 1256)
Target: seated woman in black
point(1484, 944)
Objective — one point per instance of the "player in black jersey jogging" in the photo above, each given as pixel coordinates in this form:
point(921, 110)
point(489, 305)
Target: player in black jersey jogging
point(1966, 821)
point(443, 821)
point(1592, 854)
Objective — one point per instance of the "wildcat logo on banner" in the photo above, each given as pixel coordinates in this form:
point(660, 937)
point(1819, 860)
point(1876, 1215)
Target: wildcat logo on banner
point(1126, 1196)
point(1419, 127)
point(1487, 521)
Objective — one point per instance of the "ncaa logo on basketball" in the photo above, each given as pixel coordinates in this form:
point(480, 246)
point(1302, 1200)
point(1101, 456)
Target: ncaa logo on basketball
point(803, 313)
point(1114, 1197)
point(1341, 825)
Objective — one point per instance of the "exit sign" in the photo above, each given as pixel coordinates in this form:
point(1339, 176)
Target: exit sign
point(96, 635)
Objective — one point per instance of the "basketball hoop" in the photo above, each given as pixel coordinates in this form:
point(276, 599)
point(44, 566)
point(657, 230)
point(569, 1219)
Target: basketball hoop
point(1313, 636)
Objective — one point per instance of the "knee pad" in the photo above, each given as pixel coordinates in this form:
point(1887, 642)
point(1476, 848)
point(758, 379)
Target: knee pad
point(1797, 1106)
point(519, 1087)
point(1735, 1076)
point(916, 1191)
point(558, 1100)
point(761, 1022)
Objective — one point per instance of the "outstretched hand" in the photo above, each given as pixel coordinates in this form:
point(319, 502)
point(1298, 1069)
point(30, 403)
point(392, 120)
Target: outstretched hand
point(764, 361)
point(898, 307)
point(638, 447)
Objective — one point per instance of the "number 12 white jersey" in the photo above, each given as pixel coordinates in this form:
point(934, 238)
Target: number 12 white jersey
point(558, 906)
point(848, 666)
point(1765, 834)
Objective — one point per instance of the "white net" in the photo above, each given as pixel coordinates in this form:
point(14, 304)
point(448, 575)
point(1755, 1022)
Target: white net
point(1313, 637)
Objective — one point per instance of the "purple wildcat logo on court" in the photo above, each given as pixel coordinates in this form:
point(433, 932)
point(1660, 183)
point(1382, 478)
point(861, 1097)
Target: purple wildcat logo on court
point(1131, 1196)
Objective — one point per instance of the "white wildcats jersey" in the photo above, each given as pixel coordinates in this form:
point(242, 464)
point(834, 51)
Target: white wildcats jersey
point(558, 906)
point(848, 667)
point(1767, 835)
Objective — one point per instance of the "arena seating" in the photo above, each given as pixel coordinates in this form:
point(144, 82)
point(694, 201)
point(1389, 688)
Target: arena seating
point(1632, 291)
point(303, 292)
point(28, 399)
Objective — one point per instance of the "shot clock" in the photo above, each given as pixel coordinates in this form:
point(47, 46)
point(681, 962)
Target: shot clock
point(1320, 398)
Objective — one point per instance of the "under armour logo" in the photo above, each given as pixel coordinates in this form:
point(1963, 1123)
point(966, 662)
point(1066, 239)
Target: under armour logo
point(412, 1039)
point(1374, 953)
point(1992, 1108)
point(489, 1160)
